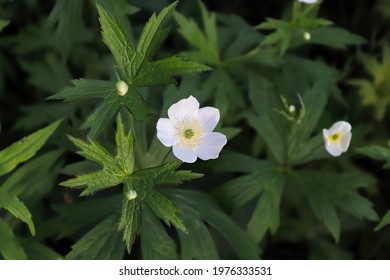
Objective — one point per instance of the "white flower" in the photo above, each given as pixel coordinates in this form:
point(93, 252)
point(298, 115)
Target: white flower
point(308, 1)
point(337, 138)
point(189, 130)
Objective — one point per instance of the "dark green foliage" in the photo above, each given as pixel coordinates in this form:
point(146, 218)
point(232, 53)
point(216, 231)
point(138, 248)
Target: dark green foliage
point(81, 186)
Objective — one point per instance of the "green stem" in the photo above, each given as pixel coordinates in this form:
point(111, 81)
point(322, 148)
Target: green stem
point(166, 156)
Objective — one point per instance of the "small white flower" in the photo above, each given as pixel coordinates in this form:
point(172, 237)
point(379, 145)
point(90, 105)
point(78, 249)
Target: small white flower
point(337, 138)
point(308, 1)
point(189, 130)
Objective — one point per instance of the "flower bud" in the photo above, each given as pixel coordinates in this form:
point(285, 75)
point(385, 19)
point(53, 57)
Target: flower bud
point(306, 36)
point(131, 194)
point(122, 88)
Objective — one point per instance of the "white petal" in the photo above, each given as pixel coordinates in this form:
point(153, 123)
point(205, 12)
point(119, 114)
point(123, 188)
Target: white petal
point(342, 126)
point(325, 133)
point(344, 143)
point(308, 1)
point(211, 145)
point(332, 149)
point(208, 118)
point(166, 132)
point(184, 153)
point(187, 107)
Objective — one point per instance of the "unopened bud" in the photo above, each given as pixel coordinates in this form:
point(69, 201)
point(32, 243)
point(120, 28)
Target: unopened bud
point(291, 109)
point(306, 36)
point(131, 194)
point(122, 88)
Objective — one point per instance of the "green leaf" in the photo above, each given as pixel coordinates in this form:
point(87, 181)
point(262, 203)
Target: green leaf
point(125, 147)
point(67, 16)
point(267, 122)
point(165, 209)
point(239, 191)
point(136, 66)
point(207, 210)
point(230, 161)
point(266, 214)
point(114, 170)
point(17, 208)
point(163, 71)
point(227, 95)
point(197, 244)
point(116, 39)
point(38, 251)
point(103, 242)
point(164, 174)
point(22, 181)
point(24, 149)
point(49, 74)
point(155, 32)
point(326, 192)
point(70, 219)
point(9, 246)
point(384, 222)
point(376, 152)
point(84, 89)
point(156, 244)
point(130, 221)
point(206, 42)
point(301, 148)
point(335, 37)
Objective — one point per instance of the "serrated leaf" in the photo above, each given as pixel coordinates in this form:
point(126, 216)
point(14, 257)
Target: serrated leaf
point(206, 42)
point(116, 39)
point(136, 66)
point(130, 221)
point(125, 147)
point(84, 89)
point(155, 32)
point(114, 170)
point(103, 242)
point(163, 71)
point(165, 209)
point(9, 246)
point(17, 208)
point(164, 174)
point(156, 244)
point(24, 149)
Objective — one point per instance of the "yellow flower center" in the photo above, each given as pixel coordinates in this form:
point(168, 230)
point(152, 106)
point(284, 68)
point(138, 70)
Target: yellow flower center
point(335, 138)
point(189, 132)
